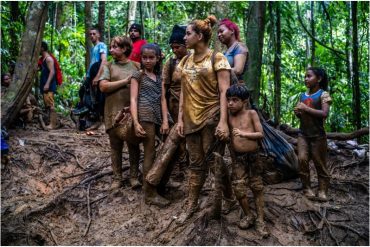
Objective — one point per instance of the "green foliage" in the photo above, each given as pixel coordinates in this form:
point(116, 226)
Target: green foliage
point(331, 22)
point(330, 29)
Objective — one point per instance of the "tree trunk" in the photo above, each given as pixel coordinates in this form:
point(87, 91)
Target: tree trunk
point(277, 65)
point(15, 16)
point(355, 67)
point(142, 19)
point(88, 25)
point(219, 10)
point(131, 14)
point(313, 33)
point(348, 50)
point(25, 69)
point(255, 35)
point(101, 21)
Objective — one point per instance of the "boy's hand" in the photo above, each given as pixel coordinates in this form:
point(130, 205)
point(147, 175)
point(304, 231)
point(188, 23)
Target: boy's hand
point(237, 132)
point(222, 132)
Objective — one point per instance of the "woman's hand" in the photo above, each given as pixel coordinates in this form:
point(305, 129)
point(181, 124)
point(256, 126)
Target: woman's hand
point(165, 128)
point(139, 130)
point(222, 131)
point(180, 128)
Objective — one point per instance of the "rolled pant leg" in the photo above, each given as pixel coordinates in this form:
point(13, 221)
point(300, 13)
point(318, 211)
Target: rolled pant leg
point(116, 145)
point(303, 160)
point(319, 156)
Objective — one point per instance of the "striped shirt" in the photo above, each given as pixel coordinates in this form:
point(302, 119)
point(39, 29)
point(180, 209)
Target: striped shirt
point(149, 99)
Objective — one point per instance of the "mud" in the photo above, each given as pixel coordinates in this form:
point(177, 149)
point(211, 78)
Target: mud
point(55, 191)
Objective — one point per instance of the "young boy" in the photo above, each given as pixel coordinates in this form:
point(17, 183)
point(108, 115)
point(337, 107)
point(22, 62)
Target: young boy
point(246, 170)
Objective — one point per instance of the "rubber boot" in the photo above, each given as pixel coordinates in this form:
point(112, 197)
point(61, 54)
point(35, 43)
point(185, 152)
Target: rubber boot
point(323, 190)
point(260, 223)
point(117, 176)
point(228, 205)
point(196, 180)
point(134, 156)
point(307, 191)
point(215, 211)
point(152, 197)
point(249, 219)
point(53, 120)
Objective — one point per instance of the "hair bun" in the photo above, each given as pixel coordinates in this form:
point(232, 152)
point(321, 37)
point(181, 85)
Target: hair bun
point(211, 20)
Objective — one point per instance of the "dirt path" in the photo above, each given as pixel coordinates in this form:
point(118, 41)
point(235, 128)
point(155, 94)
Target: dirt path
point(55, 191)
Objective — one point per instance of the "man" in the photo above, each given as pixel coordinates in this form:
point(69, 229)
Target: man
point(98, 55)
point(48, 84)
point(6, 79)
point(137, 42)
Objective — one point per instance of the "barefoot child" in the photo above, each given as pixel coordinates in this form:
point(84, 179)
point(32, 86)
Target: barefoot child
point(312, 110)
point(246, 132)
point(146, 113)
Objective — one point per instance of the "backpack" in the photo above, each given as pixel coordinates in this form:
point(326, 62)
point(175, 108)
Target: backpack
point(58, 70)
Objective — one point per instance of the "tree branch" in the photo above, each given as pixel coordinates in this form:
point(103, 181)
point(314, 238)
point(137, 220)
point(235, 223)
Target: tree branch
point(336, 52)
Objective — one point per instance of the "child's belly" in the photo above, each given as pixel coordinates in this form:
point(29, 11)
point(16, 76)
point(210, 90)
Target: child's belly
point(243, 145)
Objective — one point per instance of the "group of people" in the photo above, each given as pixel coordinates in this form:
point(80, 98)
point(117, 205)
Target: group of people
point(194, 94)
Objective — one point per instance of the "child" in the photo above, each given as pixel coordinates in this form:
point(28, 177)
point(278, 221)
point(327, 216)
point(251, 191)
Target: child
point(246, 170)
point(312, 109)
point(146, 112)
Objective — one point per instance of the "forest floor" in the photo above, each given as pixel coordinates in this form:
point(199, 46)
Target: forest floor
point(55, 191)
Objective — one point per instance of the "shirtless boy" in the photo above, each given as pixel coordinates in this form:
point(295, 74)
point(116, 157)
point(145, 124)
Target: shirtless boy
point(246, 170)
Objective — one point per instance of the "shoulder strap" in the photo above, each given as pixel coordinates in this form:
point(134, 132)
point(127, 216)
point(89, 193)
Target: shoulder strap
point(213, 60)
point(172, 67)
point(186, 59)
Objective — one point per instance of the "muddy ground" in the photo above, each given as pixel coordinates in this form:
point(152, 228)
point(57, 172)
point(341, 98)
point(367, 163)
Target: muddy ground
point(55, 191)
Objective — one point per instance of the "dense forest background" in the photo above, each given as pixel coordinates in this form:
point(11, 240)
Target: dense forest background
point(284, 38)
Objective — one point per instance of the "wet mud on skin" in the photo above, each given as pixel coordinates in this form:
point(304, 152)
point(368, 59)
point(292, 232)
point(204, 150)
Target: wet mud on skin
point(55, 191)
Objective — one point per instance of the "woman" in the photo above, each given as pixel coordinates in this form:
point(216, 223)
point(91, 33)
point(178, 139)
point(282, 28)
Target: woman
point(237, 52)
point(115, 84)
point(203, 105)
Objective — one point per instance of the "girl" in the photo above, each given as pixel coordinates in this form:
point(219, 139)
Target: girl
point(237, 53)
point(203, 110)
point(146, 112)
point(312, 110)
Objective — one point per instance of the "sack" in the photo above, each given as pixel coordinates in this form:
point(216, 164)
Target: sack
point(58, 70)
point(283, 153)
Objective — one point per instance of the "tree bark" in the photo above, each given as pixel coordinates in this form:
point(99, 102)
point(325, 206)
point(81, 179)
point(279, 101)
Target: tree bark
point(255, 35)
point(219, 10)
point(312, 22)
point(15, 16)
point(142, 19)
point(277, 65)
point(355, 67)
point(101, 20)
point(131, 14)
point(88, 25)
point(25, 69)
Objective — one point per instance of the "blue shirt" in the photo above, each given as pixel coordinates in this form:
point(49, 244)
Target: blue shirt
point(235, 49)
point(95, 53)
